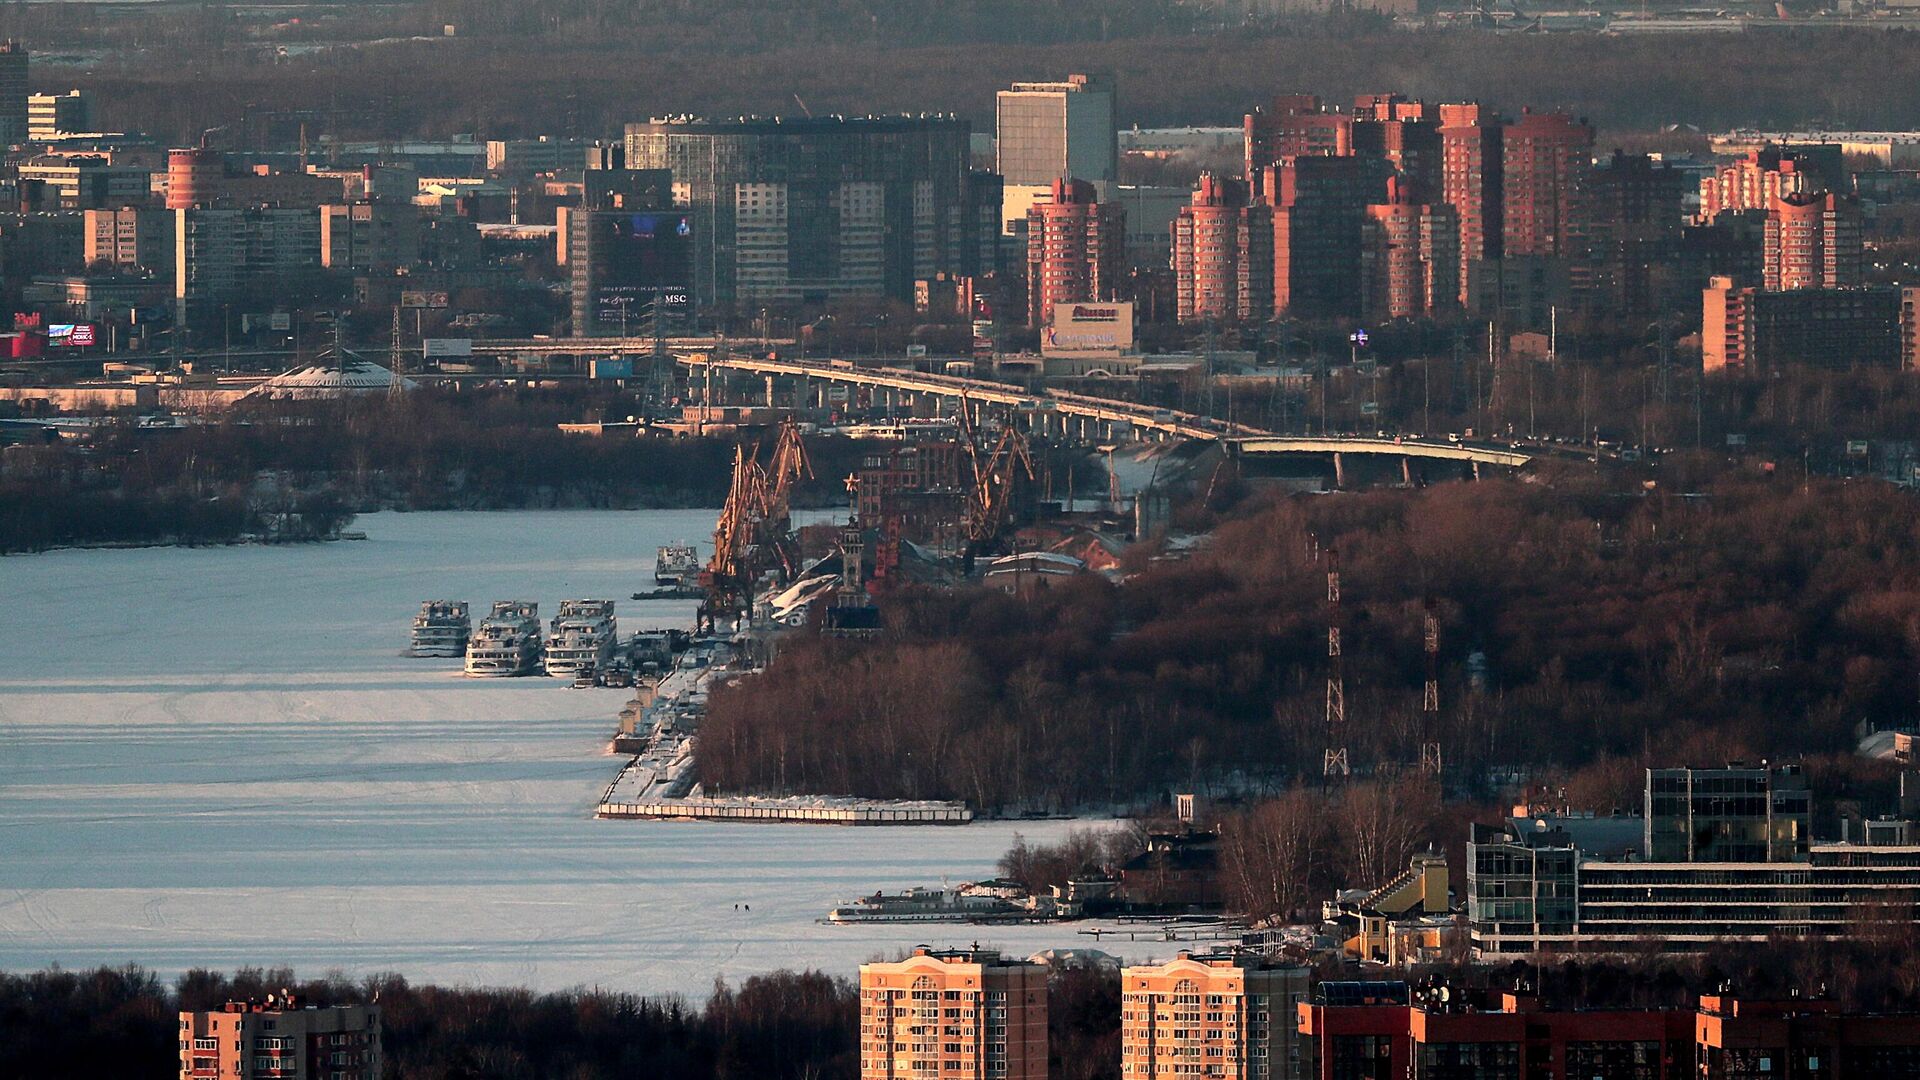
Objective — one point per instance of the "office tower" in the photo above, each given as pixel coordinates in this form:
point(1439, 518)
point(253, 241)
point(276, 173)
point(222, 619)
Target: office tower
point(13, 92)
point(1295, 125)
point(1221, 1015)
point(1409, 257)
point(1318, 206)
point(248, 1040)
point(1076, 250)
point(1812, 242)
point(1223, 255)
point(963, 1014)
point(51, 115)
point(1470, 181)
point(1046, 130)
point(817, 209)
point(1732, 814)
point(629, 269)
point(1544, 159)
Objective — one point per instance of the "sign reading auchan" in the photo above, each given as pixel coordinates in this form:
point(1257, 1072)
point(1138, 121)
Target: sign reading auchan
point(1089, 328)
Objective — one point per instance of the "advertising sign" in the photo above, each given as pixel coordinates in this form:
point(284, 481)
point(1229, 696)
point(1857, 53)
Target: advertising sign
point(416, 298)
point(1089, 328)
point(69, 335)
point(447, 347)
point(613, 367)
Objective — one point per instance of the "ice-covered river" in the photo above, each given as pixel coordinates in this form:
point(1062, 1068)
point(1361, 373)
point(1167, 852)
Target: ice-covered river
point(219, 757)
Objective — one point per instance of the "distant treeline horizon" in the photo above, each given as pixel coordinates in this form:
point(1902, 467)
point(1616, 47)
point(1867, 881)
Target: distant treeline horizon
point(583, 68)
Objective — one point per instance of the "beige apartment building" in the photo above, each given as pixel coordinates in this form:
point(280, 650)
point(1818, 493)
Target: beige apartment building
point(250, 1040)
point(961, 1014)
point(1211, 1015)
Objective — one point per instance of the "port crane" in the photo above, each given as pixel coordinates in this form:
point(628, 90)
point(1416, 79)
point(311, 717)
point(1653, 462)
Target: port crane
point(996, 470)
point(754, 532)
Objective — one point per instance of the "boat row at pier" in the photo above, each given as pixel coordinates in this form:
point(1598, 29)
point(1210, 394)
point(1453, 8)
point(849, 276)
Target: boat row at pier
point(582, 642)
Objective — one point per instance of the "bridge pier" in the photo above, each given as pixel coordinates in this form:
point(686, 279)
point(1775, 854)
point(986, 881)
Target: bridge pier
point(1406, 471)
point(770, 398)
point(1339, 469)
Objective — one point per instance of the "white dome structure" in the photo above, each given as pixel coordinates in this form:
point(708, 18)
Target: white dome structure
point(335, 373)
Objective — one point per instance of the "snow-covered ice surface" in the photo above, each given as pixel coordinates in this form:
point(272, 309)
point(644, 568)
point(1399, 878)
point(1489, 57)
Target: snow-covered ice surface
point(216, 757)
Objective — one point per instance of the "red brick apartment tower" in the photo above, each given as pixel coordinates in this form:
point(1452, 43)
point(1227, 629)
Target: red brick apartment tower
point(1076, 250)
point(963, 1014)
point(1319, 205)
point(1544, 157)
point(1405, 133)
point(1753, 183)
point(1296, 125)
point(1222, 254)
point(250, 1041)
point(1470, 181)
point(1813, 242)
point(1409, 256)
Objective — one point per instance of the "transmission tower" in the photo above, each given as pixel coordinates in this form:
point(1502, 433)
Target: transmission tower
point(1430, 760)
point(396, 382)
point(1334, 760)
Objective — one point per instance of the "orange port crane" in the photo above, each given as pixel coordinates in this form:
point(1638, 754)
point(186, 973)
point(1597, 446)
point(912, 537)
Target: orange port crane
point(753, 533)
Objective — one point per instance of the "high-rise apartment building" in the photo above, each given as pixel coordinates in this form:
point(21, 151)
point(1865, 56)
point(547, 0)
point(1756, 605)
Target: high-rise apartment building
point(1319, 205)
point(1812, 242)
point(1409, 257)
point(250, 1040)
point(1746, 331)
point(369, 235)
point(964, 1014)
point(1758, 180)
point(1076, 249)
point(1471, 151)
point(1544, 159)
point(13, 92)
point(217, 251)
point(1633, 226)
point(1223, 255)
point(1295, 125)
point(1047, 130)
point(1406, 134)
point(1218, 1015)
point(817, 209)
point(130, 238)
point(50, 116)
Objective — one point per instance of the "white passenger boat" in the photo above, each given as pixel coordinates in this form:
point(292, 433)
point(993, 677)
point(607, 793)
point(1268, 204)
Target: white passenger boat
point(508, 641)
point(441, 629)
point(583, 635)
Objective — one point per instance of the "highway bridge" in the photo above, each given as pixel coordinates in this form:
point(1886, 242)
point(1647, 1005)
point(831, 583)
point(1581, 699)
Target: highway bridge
point(1051, 411)
point(1060, 412)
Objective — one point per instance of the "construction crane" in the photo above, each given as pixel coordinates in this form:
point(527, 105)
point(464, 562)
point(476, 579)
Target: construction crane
point(990, 492)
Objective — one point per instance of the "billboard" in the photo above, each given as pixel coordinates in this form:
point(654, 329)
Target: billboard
point(613, 367)
point(446, 347)
point(416, 298)
point(640, 259)
point(1089, 328)
point(69, 335)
